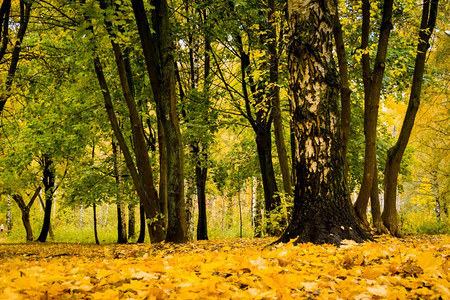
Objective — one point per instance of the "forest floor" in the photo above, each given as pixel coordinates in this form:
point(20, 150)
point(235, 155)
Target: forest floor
point(411, 268)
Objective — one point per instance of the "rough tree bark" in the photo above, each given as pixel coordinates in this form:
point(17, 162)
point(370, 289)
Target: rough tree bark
point(322, 211)
point(372, 89)
point(158, 54)
point(395, 153)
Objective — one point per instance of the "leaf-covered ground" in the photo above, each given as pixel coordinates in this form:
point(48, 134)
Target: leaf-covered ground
point(413, 268)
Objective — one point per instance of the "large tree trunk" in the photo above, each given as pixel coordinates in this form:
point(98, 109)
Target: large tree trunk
point(275, 99)
point(395, 154)
point(158, 54)
point(48, 179)
point(322, 212)
point(372, 90)
point(25, 9)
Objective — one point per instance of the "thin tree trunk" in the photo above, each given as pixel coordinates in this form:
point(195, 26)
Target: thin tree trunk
point(142, 222)
point(25, 209)
point(50, 230)
point(25, 9)
point(275, 99)
point(163, 204)
point(81, 216)
point(372, 90)
point(9, 222)
point(240, 213)
point(147, 194)
point(256, 210)
point(121, 217)
point(229, 217)
point(48, 180)
point(121, 224)
point(344, 85)
point(190, 208)
point(395, 153)
point(4, 23)
point(200, 180)
point(271, 198)
point(131, 221)
point(438, 206)
point(261, 124)
point(94, 208)
point(143, 180)
point(375, 206)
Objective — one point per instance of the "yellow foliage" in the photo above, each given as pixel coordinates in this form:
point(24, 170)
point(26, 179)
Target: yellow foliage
point(232, 269)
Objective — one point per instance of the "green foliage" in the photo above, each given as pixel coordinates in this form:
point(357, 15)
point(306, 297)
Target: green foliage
point(417, 223)
point(56, 109)
point(277, 219)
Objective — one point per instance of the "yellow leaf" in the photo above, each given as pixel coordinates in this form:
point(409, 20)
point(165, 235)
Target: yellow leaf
point(310, 286)
point(378, 290)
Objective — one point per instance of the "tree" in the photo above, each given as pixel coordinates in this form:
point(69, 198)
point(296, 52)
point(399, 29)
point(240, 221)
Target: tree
point(24, 17)
point(274, 95)
point(322, 211)
point(395, 153)
point(157, 46)
point(122, 237)
point(344, 86)
point(48, 180)
point(372, 88)
point(25, 209)
point(141, 171)
point(253, 42)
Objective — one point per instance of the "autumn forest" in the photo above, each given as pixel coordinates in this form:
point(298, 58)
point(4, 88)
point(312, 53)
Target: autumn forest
point(224, 149)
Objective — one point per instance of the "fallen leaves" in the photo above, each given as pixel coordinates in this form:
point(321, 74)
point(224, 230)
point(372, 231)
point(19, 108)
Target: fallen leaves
point(237, 269)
